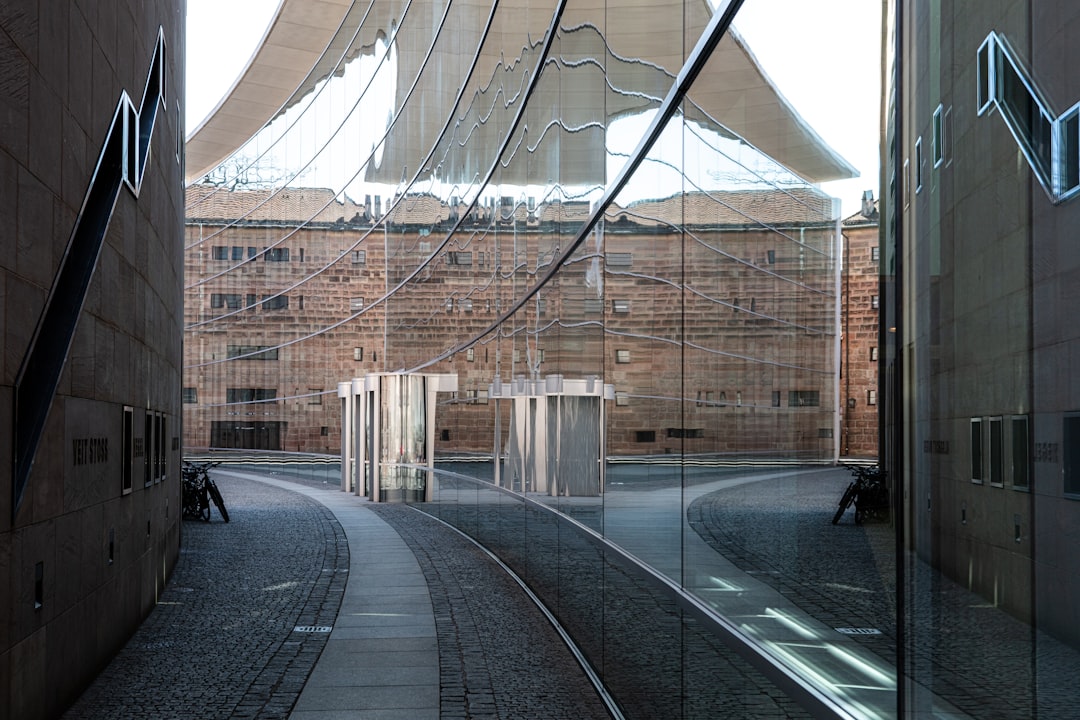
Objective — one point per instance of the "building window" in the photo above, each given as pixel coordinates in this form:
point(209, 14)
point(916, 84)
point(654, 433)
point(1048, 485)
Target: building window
point(875, 253)
point(1070, 151)
point(128, 450)
point(775, 398)
point(470, 354)
point(481, 397)
point(997, 466)
point(918, 165)
point(324, 431)
point(220, 252)
point(314, 396)
point(685, 433)
point(871, 397)
point(804, 398)
point(622, 400)
point(189, 396)
point(148, 448)
point(984, 95)
point(874, 302)
point(359, 257)
point(873, 354)
point(907, 183)
point(462, 259)
point(620, 306)
point(358, 353)
point(622, 356)
point(1020, 454)
point(237, 252)
point(356, 304)
point(1004, 85)
point(937, 141)
point(619, 260)
point(1070, 439)
point(277, 255)
point(645, 436)
point(252, 352)
point(976, 450)
point(465, 304)
point(771, 257)
point(593, 305)
point(275, 302)
point(1025, 114)
point(229, 300)
point(248, 395)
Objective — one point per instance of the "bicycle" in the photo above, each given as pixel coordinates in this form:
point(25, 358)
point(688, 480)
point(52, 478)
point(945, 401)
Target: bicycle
point(868, 491)
point(197, 489)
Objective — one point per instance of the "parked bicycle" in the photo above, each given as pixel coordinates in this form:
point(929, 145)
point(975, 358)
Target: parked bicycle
point(197, 489)
point(868, 491)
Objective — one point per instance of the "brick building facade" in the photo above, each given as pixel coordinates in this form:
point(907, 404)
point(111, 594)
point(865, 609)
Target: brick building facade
point(860, 305)
point(285, 299)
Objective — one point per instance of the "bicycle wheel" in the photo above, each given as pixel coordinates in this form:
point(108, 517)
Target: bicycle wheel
point(215, 495)
point(845, 503)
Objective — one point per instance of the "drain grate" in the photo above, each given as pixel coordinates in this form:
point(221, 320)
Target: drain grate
point(858, 631)
point(313, 628)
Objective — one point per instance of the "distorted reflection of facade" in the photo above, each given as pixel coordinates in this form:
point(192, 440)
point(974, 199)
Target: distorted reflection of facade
point(760, 317)
point(573, 265)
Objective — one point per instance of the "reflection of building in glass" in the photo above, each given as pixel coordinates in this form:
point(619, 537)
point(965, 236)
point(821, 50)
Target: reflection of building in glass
point(758, 315)
point(611, 245)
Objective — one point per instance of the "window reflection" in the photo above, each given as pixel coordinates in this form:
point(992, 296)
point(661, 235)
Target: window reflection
point(656, 380)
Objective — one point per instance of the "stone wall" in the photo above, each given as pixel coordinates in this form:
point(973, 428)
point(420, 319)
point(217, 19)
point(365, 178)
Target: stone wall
point(95, 532)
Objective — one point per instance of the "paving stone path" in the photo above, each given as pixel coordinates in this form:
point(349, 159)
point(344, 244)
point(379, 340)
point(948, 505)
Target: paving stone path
point(498, 656)
point(223, 642)
point(979, 658)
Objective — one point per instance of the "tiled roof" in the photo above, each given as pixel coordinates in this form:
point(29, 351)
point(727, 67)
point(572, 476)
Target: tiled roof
point(207, 203)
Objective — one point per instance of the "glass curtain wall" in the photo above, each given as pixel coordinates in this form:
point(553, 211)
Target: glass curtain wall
point(611, 230)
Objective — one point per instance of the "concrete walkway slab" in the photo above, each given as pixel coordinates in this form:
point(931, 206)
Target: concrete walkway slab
point(381, 661)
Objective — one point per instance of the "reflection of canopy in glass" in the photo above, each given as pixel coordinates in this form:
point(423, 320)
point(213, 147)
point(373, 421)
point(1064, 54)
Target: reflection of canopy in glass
point(737, 93)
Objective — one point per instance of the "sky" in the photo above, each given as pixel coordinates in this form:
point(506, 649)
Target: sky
point(221, 37)
point(837, 91)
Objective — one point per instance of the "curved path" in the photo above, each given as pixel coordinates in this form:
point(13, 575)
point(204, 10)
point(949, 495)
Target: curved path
point(779, 530)
point(240, 630)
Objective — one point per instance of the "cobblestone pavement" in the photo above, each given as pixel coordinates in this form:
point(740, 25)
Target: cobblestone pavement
point(222, 642)
point(498, 656)
point(974, 655)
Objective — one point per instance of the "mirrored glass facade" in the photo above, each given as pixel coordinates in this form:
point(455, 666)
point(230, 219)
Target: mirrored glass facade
point(564, 276)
